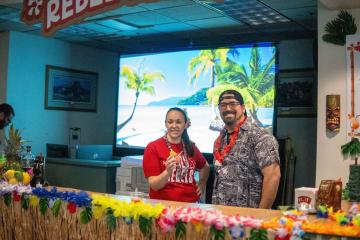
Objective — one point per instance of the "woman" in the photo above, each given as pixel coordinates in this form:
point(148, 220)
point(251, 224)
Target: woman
point(170, 162)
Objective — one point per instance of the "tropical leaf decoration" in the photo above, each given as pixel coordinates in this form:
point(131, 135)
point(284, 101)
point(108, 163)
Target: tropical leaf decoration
point(258, 234)
point(56, 207)
point(110, 219)
point(13, 145)
point(145, 225)
point(9, 165)
point(7, 199)
point(217, 234)
point(180, 230)
point(337, 29)
point(86, 215)
point(43, 204)
point(351, 149)
point(25, 202)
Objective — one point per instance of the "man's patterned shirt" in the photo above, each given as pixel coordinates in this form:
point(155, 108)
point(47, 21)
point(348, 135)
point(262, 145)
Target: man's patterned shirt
point(238, 181)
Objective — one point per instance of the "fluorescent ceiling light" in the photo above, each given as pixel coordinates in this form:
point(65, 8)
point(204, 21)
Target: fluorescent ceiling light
point(117, 24)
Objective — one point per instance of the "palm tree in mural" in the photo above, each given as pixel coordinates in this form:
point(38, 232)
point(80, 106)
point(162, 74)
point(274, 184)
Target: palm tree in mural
point(140, 81)
point(212, 60)
point(256, 86)
point(208, 60)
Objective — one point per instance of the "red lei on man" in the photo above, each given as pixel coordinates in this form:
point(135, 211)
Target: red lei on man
point(219, 152)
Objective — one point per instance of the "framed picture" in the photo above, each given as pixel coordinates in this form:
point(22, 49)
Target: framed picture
point(296, 93)
point(69, 89)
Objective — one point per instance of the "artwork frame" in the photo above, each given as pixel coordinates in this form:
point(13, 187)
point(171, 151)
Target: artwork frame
point(296, 93)
point(70, 89)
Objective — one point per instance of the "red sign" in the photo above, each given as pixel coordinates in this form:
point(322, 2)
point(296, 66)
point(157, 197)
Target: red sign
point(304, 199)
point(58, 14)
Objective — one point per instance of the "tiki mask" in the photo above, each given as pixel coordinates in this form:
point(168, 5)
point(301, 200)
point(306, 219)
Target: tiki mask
point(333, 113)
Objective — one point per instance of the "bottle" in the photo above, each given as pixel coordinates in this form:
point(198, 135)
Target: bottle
point(28, 159)
point(38, 171)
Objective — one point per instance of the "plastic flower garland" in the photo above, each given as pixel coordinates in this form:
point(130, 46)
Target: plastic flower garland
point(221, 153)
point(177, 219)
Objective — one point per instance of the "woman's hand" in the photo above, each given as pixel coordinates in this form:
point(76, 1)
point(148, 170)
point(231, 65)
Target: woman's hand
point(170, 164)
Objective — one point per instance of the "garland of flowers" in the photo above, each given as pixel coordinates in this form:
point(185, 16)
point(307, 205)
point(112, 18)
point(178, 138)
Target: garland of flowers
point(175, 222)
point(219, 152)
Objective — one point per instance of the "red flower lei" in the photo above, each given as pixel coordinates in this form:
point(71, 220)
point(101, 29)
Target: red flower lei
point(220, 154)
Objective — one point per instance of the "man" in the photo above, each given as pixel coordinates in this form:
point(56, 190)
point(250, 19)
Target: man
point(247, 171)
point(6, 114)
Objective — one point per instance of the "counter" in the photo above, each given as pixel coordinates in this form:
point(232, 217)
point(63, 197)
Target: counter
point(89, 175)
point(73, 214)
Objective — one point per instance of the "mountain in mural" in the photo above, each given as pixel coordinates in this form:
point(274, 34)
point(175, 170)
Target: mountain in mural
point(166, 101)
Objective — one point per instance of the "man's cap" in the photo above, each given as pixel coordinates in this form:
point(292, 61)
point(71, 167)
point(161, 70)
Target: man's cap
point(236, 95)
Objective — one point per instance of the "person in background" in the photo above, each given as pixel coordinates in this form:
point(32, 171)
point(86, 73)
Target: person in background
point(247, 170)
point(170, 162)
point(6, 114)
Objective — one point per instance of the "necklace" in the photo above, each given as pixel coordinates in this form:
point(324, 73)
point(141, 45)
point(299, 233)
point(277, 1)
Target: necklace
point(172, 152)
point(219, 152)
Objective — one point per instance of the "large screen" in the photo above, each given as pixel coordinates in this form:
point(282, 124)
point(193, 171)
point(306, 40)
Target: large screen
point(151, 84)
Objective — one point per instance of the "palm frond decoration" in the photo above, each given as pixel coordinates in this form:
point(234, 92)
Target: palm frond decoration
point(337, 29)
point(351, 149)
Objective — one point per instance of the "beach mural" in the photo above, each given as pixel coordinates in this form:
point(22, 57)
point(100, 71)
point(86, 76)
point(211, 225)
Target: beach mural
point(151, 84)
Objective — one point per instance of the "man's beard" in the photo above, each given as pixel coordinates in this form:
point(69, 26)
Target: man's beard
point(229, 122)
point(2, 124)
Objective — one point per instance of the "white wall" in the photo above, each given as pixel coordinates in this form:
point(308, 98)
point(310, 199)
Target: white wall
point(295, 54)
point(28, 55)
point(331, 80)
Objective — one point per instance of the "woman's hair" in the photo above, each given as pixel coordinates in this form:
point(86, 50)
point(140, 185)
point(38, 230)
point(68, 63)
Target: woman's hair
point(189, 145)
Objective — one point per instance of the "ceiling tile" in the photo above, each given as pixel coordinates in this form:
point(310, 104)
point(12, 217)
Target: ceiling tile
point(234, 30)
point(95, 17)
point(166, 4)
point(7, 26)
point(125, 10)
point(146, 19)
point(139, 32)
point(214, 22)
point(186, 13)
point(300, 13)
point(76, 39)
point(281, 27)
point(174, 27)
point(193, 34)
point(116, 24)
point(9, 13)
point(286, 4)
point(98, 28)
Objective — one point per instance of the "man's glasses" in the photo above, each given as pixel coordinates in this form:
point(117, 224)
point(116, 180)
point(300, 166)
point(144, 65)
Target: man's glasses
point(230, 104)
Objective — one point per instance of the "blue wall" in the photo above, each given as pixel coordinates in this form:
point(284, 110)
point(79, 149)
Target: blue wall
point(25, 89)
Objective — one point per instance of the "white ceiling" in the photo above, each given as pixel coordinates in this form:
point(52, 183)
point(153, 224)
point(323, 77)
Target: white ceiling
point(178, 24)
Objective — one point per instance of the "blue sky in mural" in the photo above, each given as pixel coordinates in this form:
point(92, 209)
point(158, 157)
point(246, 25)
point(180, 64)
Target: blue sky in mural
point(174, 66)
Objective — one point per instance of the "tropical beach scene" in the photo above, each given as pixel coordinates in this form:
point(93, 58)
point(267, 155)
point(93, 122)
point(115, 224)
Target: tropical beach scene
point(193, 80)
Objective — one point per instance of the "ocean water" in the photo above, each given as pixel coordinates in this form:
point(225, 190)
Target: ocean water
point(148, 124)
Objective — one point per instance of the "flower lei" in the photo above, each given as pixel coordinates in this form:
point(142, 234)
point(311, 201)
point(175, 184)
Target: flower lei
point(220, 154)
